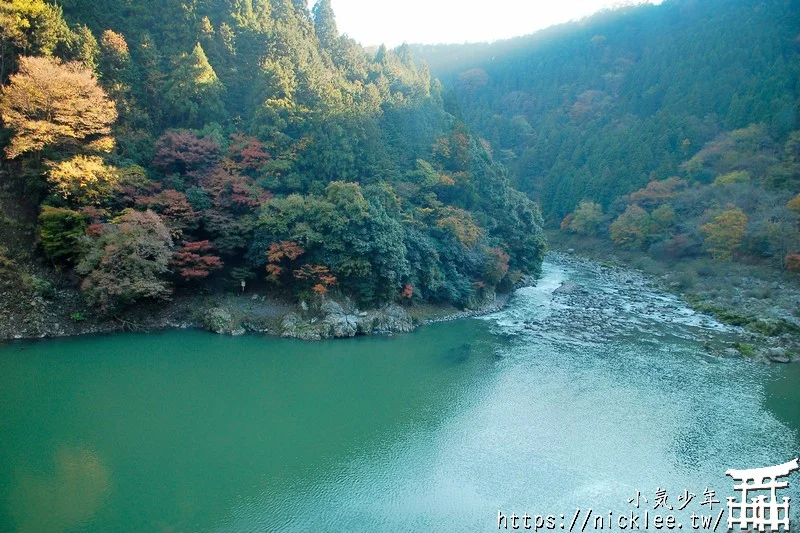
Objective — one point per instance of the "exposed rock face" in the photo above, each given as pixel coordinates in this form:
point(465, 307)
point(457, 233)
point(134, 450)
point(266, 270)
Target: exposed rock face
point(221, 320)
point(294, 326)
point(336, 320)
point(391, 318)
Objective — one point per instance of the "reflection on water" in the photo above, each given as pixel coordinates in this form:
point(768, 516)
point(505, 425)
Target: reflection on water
point(434, 430)
point(64, 498)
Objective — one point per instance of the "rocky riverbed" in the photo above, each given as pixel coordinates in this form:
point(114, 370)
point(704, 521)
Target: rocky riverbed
point(597, 302)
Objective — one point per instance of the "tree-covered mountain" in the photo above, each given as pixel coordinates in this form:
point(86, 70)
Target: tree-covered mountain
point(657, 126)
point(164, 144)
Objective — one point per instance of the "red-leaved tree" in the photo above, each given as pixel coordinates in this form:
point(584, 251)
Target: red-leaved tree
point(194, 260)
point(184, 152)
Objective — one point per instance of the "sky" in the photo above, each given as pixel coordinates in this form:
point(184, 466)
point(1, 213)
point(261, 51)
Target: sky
point(392, 22)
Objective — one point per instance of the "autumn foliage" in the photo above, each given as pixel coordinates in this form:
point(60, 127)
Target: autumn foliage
point(85, 180)
point(258, 137)
point(183, 152)
point(126, 263)
point(318, 277)
point(724, 233)
point(792, 262)
point(631, 227)
point(496, 266)
point(279, 256)
point(49, 103)
point(658, 191)
point(460, 224)
point(194, 260)
point(408, 291)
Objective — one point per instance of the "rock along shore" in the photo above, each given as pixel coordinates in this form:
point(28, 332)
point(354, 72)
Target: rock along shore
point(63, 314)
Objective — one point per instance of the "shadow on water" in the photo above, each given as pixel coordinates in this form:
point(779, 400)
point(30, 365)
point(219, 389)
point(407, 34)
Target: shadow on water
point(783, 398)
point(458, 354)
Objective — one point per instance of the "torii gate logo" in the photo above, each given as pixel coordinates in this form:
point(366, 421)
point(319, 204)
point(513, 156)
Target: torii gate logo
point(761, 513)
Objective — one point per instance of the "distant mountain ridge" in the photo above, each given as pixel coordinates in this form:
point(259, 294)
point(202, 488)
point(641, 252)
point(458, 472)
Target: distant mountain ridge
point(597, 108)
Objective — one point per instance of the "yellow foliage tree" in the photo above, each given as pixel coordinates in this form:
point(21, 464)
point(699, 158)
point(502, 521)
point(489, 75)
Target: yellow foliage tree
point(586, 218)
point(459, 223)
point(724, 233)
point(632, 227)
point(49, 103)
point(794, 204)
point(83, 179)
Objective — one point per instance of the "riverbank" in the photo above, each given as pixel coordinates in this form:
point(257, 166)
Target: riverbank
point(61, 313)
point(587, 312)
point(763, 305)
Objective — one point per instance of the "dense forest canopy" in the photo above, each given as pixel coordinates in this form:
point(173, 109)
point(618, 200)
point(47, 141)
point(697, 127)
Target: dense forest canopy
point(656, 126)
point(170, 143)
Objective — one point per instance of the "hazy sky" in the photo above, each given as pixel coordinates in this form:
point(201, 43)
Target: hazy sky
point(393, 22)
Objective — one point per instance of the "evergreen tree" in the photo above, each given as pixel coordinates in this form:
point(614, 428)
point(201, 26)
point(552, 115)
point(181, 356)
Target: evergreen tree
point(193, 93)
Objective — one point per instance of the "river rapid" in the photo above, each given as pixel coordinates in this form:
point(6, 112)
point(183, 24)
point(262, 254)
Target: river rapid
point(587, 390)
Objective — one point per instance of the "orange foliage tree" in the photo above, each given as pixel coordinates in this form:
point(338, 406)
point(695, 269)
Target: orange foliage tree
point(496, 266)
point(794, 204)
point(460, 224)
point(318, 276)
point(279, 256)
point(565, 222)
point(792, 262)
point(632, 227)
point(724, 233)
point(657, 192)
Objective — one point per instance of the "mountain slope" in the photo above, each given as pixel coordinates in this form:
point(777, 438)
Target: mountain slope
point(248, 141)
point(598, 108)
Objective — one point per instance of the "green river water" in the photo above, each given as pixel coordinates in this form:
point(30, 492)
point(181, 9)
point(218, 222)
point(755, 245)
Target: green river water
point(438, 430)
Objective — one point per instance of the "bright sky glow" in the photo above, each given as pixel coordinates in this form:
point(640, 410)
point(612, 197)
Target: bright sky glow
point(393, 22)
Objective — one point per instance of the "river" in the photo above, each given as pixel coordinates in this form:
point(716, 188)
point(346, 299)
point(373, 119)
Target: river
point(531, 409)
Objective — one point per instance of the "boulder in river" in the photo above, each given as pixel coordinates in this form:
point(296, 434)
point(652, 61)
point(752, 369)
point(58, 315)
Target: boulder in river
point(778, 355)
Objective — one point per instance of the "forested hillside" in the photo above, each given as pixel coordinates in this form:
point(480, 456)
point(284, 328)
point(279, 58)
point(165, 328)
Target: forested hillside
point(671, 129)
point(163, 145)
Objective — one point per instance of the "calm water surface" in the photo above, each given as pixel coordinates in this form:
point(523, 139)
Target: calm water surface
point(437, 430)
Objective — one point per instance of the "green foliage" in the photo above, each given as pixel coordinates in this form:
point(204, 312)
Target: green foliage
point(62, 234)
point(747, 350)
point(737, 176)
point(193, 92)
point(42, 287)
point(29, 27)
point(659, 127)
point(356, 239)
point(83, 47)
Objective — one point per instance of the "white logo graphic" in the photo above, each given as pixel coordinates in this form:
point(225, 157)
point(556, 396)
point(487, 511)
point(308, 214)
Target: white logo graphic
point(761, 513)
